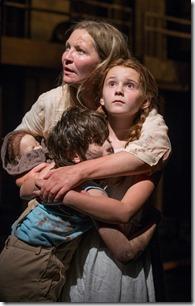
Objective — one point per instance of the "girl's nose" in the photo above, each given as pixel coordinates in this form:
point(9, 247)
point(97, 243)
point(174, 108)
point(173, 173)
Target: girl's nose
point(119, 90)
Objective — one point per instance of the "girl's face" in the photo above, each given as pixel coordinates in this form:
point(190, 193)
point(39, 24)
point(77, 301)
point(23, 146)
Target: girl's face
point(79, 58)
point(28, 143)
point(122, 93)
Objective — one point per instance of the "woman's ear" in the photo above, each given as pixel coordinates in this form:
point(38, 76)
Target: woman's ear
point(102, 101)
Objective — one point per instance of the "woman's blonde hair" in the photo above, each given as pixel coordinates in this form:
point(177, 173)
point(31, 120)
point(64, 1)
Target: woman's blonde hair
point(94, 87)
point(109, 42)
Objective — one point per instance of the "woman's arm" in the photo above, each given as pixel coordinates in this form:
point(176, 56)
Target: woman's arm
point(33, 120)
point(60, 180)
point(111, 210)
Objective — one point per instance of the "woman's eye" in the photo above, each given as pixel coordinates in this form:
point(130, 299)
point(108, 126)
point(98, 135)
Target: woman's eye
point(67, 47)
point(80, 51)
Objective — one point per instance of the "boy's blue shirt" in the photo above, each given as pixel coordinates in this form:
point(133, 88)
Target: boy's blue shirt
point(51, 225)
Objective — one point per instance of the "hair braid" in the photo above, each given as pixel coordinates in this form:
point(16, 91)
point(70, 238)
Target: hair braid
point(135, 130)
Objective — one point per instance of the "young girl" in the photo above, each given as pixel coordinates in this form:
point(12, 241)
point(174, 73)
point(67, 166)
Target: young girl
point(45, 238)
point(129, 93)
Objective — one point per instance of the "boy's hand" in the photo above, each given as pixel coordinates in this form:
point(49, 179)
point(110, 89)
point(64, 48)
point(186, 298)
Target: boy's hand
point(31, 174)
point(45, 170)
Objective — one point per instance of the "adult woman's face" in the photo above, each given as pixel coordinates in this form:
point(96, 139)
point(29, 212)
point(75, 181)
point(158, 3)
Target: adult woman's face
point(79, 58)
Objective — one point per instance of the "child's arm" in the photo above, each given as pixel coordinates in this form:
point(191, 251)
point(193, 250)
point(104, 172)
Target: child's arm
point(27, 188)
point(122, 248)
point(111, 210)
point(28, 182)
point(31, 174)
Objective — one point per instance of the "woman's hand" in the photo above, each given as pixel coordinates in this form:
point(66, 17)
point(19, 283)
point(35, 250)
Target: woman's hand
point(57, 182)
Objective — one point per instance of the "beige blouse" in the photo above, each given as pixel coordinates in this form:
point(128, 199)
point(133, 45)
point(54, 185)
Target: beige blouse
point(152, 146)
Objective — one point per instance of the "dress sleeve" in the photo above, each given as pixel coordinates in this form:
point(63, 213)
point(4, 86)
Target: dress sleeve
point(33, 120)
point(154, 144)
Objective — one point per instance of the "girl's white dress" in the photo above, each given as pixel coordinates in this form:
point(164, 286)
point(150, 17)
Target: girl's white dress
point(95, 277)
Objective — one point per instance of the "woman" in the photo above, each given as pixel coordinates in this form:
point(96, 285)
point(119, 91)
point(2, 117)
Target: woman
point(92, 45)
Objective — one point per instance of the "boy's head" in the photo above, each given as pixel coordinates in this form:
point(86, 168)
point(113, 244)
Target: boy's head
point(80, 134)
point(20, 143)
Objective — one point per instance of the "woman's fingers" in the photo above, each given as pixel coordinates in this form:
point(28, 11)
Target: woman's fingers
point(58, 182)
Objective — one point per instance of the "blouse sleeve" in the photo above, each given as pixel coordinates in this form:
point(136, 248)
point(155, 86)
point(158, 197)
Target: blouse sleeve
point(154, 144)
point(33, 120)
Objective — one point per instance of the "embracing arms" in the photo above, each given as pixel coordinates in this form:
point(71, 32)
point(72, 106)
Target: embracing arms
point(123, 244)
point(127, 247)
point(145, 155)
point(111, 210)
point(122, 248)
point(27, 182)
point(60, 180)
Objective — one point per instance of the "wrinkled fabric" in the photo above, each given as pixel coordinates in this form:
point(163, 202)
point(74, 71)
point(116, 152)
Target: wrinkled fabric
point(153, 143)
point(94, 277)
point(33, 273)
point(51, 225)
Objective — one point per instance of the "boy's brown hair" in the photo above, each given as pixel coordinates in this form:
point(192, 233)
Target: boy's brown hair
point(72, 135)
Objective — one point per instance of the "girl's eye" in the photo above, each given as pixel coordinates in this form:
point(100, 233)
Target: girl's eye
point(111, 83)
point(130, 85)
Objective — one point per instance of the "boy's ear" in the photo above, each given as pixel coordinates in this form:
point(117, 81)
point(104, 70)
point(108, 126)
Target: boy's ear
point(146, 103)
point(102, 101)
point(76, 159)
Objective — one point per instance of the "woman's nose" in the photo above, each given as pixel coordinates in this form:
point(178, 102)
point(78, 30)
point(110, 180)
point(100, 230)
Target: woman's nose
point(68, 55)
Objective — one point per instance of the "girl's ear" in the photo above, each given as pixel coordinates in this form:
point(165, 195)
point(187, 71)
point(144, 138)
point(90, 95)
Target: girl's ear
point(102, 101)
point(76, 159)
point(146, 104)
